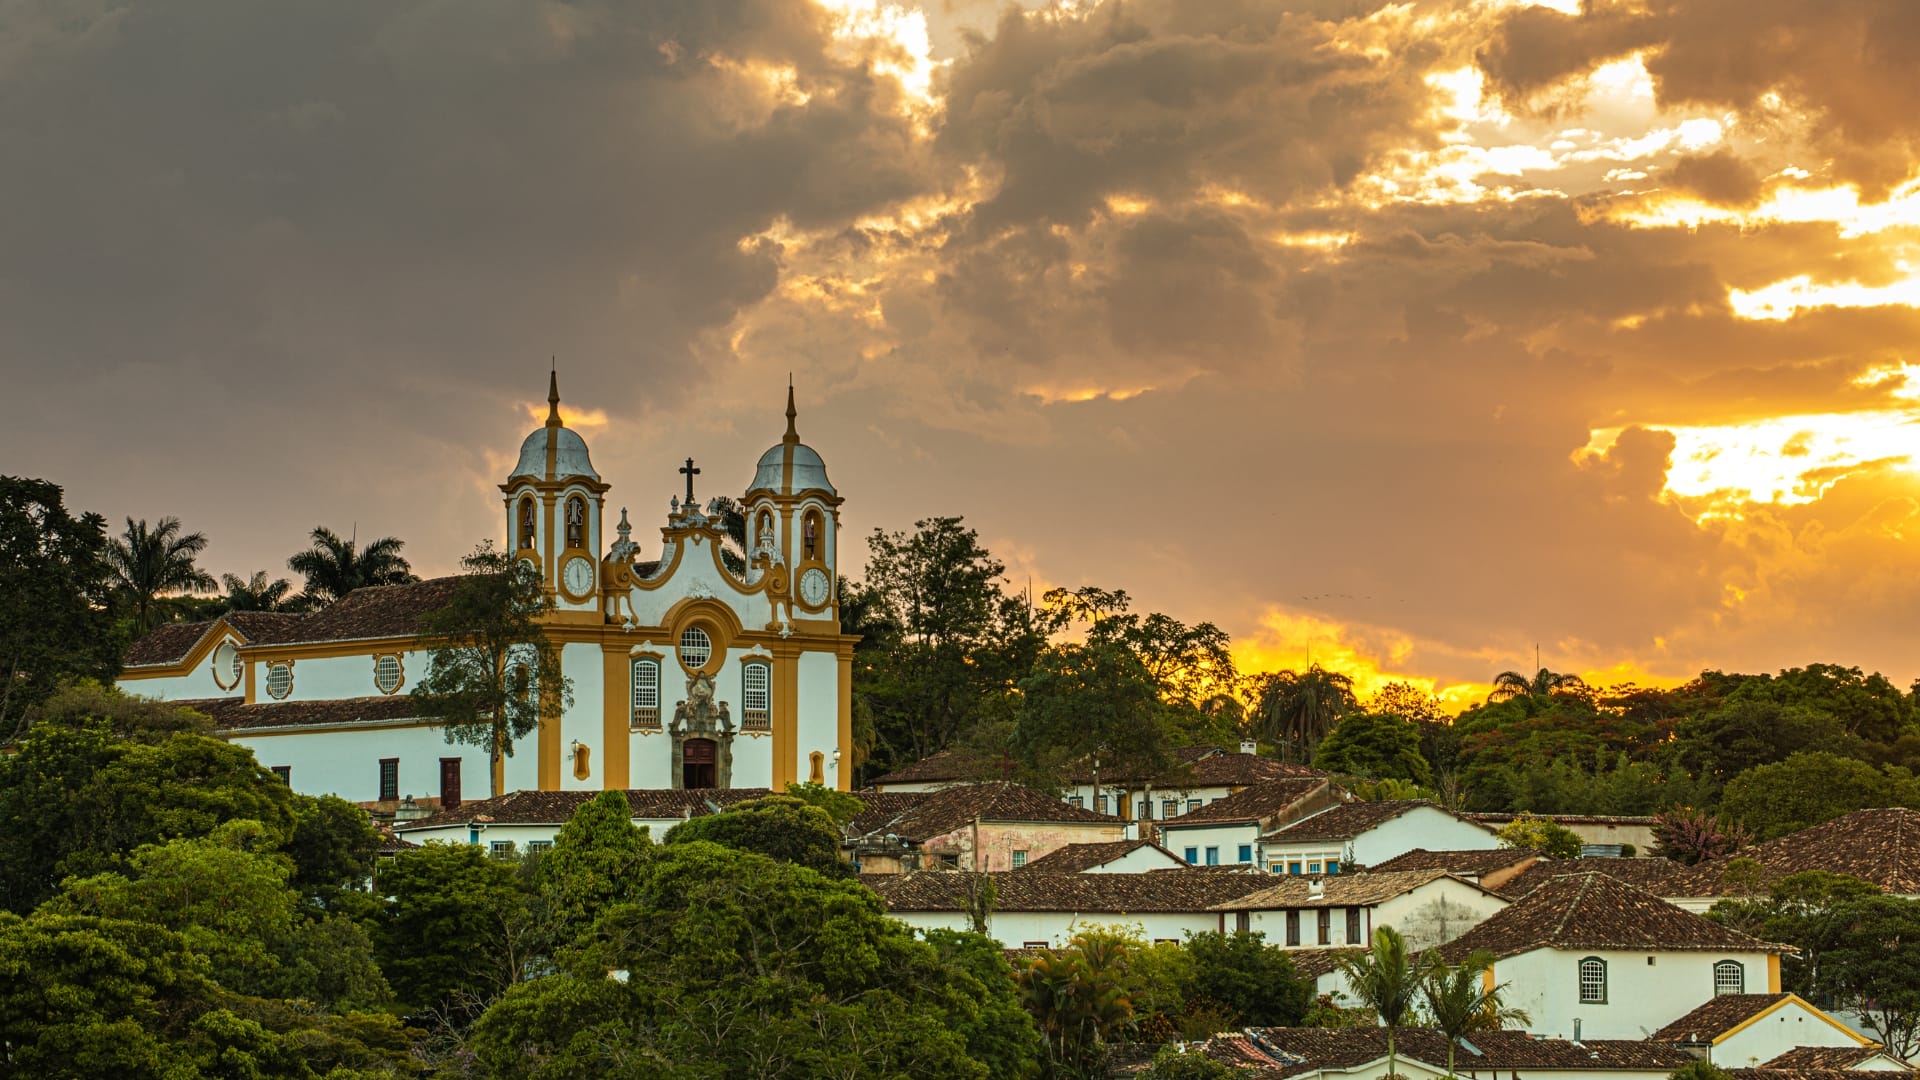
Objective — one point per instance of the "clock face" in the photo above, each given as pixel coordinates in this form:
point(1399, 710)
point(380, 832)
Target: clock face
point(814, 586)
point(578, 576)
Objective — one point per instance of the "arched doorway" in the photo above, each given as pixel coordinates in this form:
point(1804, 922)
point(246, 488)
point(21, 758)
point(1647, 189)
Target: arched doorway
point(699, 764)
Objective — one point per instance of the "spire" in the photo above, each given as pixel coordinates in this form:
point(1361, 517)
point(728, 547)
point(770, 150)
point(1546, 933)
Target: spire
point(792, 436)
point(553, 397)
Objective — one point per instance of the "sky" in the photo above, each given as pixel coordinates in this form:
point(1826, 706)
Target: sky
point(1404, 338)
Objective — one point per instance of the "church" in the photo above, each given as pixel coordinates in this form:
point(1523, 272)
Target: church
point(687, 672)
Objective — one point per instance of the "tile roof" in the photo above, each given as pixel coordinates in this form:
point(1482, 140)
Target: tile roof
point(265, 627)
point(936, 813)
point(934, 768)
point(558, 807)
point(1313, 963)
point(1567, 819)
point(1235, 769)
point(1474, 863)
point(1283, 1052)
point(1079, 858)
point(167, 644)
point(375, 611)
point(1175, 891)
point(1648, 874)
point(1768, 1072)
point(234, 714)
point(1881, 846)
point(1716, 1016)
point(879, 808)
point(1348, 820)
point(1592, 911)
point(1825, 1057)
point(1339, 890)
point(1259, 803)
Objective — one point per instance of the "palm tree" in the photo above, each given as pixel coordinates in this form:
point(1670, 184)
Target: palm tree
point(1383, 979)
point(148, 563)
point(334, 567)
point(257, 593)
point(1297, 709)
point(1512, 684)
point(1461, 1002)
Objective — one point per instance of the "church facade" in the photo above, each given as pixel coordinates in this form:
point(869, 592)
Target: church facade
point(686, 671)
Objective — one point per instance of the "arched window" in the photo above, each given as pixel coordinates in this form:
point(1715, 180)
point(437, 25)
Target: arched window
point(1729, 977)
point(696, 648)
point(1593, 981)
point(646, 693)
point(526, 523)
point(576, 521)
point(816, 768)
point(810, 534)
point(756, 705)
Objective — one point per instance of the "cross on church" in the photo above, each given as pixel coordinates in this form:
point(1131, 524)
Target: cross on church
point(690, 473)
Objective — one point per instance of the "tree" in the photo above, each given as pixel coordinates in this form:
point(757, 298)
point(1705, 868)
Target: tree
point(1808, 911)
point(55, 622)
point(1530, 833)
point(1690, 837)
point(1809, 788)
point(1184, 1063)
point(778, 826)
point(1298, 709)
point(1460, 1002)
point(1383, 979)
point(1079, 1001)
point(148, 564)
point(492, 672)
point(1750, 730)
point(1544, 683)
point(457, 930)
point(1257, 981)
point(1876, 965)
point(1700, 1069)
point(592, 865)
point(839, 805)
point(1083, 700)
point(257, 593)
point(333, 847)
point(1376, 747)
point(334, 567)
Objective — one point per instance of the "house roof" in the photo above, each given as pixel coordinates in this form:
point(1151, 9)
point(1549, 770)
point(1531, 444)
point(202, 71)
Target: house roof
point(1648, 874)
point(1205, 766)
point(880, 807)
point(1567, 819)
point(1716, 1016)
point(1769, 1072)
point(938, 812)
point(234, 714)
point(1257, 803)
point(1474, 863)
point(938, 766)
point(1348, 820)
point(1284, 1052)
point(1027, 890)
point(1339, 890)
point(1802, 1058)
point(375, 611)
point(558, 807)
point(1592, 911)
point(1881, 846)
point(1079, 858)
point(1313, 963)
point(168, 644)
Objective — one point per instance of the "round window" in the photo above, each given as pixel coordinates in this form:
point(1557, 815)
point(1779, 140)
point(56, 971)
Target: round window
point(279, 680)
point(386, 673)
point(696, 648)
point(226, 665)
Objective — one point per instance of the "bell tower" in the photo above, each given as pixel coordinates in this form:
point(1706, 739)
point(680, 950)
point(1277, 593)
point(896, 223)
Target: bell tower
point(555, 503)
point(793, 525)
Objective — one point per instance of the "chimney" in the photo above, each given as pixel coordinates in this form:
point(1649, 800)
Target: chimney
point(1248, 746)
point(1317, 890)
point(1576, 1031)
point(408, 810)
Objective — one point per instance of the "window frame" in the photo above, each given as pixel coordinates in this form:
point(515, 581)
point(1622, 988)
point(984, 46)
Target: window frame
point(1739, 983)
point(686, 647)
point(389, 779)
point(756, 702)
point(1353, 926)
point(285, 666)
point(284, 772)
point(641, 715)
point(500, 849)
point(1246, 853)
point(399, 673)
point(1293, 927)
point(1191, 856)
point(1598, 965)
point(1019, 858)
point(1212, 855)
point(1323, 925)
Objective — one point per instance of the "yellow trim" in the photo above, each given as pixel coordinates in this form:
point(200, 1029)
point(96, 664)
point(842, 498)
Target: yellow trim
point(213, 665)
point(1486, 980)
point(616, 669)
point(844, 728)
point(548, 735)
point(1773, 973)
point(1794, 999)
point(399, 658)
point(786, 715)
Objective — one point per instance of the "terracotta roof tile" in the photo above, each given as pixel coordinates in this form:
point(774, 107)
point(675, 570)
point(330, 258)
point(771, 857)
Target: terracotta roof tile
point(1716, 1015)
point(1825, 1057)
point(881, 807)
point(1473, 863)
point(1767, 1072)
point(935, 768)
point(1282, 1052)
point(1339, 890)
point(234, 714)
point(167, 644)
point(375, 611)
point(1237, 770)
point(1313, 963)
point(936, 813)
point(1648, 874)
point(558, 807)
point(1881, 846)
point(1261, 803)
point(1592, 911)
point(1079, 858)
point(1348, 820)
point(1026, 890)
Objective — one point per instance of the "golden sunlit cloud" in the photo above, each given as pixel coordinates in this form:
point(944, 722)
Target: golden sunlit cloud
point(1783, 299)
point(906, 46)
point(572, 416)
point(1295, 641)
point(1783, 460)
point(1050, 395)
point(1785, 204)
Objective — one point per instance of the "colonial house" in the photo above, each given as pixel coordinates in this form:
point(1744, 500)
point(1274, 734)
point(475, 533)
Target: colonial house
point(1589, 956)
point(1881, 846)
point(1427, 907)
point(1803, 1060)
point(521, 822)
point(996, 826)
point(1201, 776)
point(1490, 868)
point(1229, 830)
point(1118, 857)
point(1037, 910)
point(1753, 1030)
point(1361, 1054)
point(1601, 835)
point(1366, 834)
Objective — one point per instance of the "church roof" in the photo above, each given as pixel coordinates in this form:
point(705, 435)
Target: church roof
point(790, 466)
point(234, 714)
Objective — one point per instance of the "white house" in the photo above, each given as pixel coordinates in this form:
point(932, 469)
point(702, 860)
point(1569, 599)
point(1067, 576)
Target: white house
point(1367, 834)
point(1201, 776)
point(1135, 856)
point(991, 826)
point(1589, 956)
point(1741, 1031)
point(1228, 831)
point(527, 821)
point(1427, 907)
point(1033, 909)
point(1489, 868)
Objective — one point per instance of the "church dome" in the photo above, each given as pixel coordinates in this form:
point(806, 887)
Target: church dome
point(791, 466)
point(570, 458)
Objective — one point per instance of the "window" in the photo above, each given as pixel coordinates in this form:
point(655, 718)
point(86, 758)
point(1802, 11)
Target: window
point(1293, 928)
point(526, 523)
point(285, 773)
point(1192, 855)
point(1242, 921)
point(501, 848)
point(1100, 803)
point(576, 521)
point(1333, 866)
point(1325, 926)
point(1353, 926)
point(1146, 809)
point(951, 862)
point(389, 779)
point(1246, 852)
point(1019, 859)
point(756, 679)
point(386, 673)
point(1213, 856)
point(696, 648)
point(226, 665)
point(1075, 801)
point(1293, 867)
point(539, 847)
point(1036, 944)
point(279, 680)
point(1593, 981)
point(449, 783)
point(1729, 977)
point(646, 693)
point(1313, 867)
point(1169, 808)
point(1195, 804)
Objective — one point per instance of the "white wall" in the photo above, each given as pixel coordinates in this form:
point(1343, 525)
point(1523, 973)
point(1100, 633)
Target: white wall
point(1227, 837)
point(1137, 861)
point(1014, 929)
point(1437, 912)
point(1421, 827)
point(818, 726)
point(1134, 794)
point(1791, 1024)
point(347, 763)
point(585, 722)
point(1641, 997)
